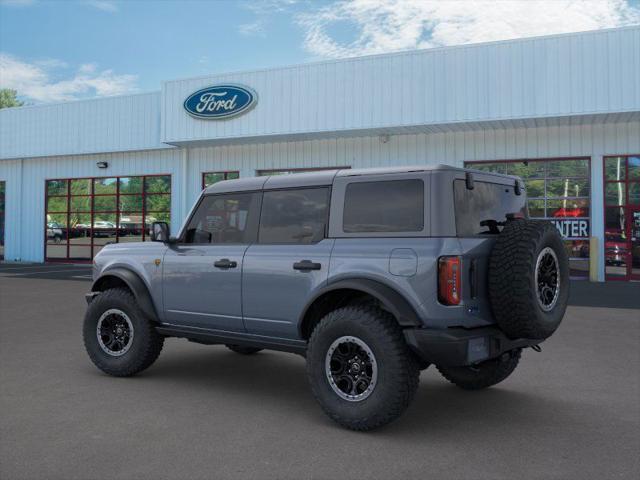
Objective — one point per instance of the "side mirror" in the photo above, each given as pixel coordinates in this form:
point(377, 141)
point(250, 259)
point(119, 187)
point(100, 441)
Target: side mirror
point(160, 232)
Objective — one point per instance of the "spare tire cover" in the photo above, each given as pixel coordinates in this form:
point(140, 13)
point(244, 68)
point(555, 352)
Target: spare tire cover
point(529, 279)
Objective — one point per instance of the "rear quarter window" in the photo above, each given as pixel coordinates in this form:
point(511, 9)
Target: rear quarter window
point(384, 206)
point(475, 209)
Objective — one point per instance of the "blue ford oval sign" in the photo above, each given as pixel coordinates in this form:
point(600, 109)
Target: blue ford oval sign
point(220, 101)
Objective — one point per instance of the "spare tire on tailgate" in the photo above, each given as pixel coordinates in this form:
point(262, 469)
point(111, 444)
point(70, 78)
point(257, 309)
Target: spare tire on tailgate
point(528, 279)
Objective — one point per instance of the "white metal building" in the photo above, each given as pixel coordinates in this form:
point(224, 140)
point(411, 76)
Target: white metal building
point(563, 111)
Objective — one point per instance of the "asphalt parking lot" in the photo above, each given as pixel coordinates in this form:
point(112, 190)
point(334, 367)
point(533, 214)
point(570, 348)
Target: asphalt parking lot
point(572, 411)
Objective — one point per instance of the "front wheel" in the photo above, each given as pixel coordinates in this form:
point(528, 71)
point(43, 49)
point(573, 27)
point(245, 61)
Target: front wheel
point(483, 375)
point(118, 337)
point(360, 369)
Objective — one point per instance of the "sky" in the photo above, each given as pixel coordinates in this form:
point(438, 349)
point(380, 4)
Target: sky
point(59, 50)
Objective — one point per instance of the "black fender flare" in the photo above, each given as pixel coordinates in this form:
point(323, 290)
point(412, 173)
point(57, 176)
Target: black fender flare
point(393, 301)
point(135, 284)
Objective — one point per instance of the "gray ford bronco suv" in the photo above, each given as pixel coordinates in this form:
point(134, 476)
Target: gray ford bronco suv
point(372, 275)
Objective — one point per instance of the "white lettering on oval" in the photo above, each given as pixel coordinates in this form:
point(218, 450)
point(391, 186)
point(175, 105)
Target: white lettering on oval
point(212, 102)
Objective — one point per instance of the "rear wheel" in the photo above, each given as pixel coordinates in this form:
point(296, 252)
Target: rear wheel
point(483, 375)
point(360, 369)
point(242, 349)
point(118, 337)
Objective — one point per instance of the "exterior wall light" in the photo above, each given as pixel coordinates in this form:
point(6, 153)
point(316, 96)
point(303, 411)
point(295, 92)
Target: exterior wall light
point(384, 138)
point(102, 164)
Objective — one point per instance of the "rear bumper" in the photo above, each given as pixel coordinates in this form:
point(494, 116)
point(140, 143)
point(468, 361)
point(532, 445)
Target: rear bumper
point(459, 346)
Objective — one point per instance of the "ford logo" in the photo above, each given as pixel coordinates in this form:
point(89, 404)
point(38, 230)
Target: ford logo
point(220, 101)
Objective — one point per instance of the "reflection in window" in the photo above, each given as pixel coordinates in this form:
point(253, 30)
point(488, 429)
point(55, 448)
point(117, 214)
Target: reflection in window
point(479, 211)
point(209, 178)
point(633, 168)
point(103, 186)
point(634, 193)
point(84, 214)
point(615, 168)
point(157, 184)
point(614, 193)
point(225, 219)
point(571, 208)
point(557, 190)
point(622, 219)
point(294, 216)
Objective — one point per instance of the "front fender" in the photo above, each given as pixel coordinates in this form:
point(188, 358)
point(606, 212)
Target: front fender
point(134, 282)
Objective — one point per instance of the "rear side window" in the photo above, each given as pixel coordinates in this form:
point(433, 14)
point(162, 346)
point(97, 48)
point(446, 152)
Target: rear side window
point(384, 206)
point(294, 216)
point(231, 218)
point(481, 210)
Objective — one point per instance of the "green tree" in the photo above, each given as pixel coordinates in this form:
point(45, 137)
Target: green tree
point(8, 98)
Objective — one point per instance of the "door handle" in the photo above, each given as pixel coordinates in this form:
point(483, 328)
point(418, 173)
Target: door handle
point(307, 265)
point(225, 263)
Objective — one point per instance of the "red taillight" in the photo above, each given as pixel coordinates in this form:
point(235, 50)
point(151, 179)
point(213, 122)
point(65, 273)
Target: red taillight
point(449, 280)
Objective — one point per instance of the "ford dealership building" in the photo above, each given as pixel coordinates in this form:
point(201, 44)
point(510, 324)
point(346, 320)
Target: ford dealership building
point(561, 111)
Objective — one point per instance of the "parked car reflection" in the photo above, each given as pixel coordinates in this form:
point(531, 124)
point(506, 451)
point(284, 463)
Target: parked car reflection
point(54, 232)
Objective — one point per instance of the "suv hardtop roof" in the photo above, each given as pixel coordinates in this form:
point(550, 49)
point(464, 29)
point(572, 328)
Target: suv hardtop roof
point(326, 177)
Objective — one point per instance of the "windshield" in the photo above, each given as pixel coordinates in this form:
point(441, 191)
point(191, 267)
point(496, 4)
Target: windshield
point(484, 209)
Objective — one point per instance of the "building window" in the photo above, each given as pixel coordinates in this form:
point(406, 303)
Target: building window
point(622, 217)
point(85, 214)
point(287, 171)
point(209, 178)
point(558, 190)
point(2, 210)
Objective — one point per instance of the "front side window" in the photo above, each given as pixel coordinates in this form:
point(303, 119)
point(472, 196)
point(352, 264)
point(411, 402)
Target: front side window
point(297, 216)
point(384, 206)
point(481, 210)
point(223, 219)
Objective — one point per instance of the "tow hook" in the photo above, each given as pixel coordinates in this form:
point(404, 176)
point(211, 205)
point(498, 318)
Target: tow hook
point(536, 348)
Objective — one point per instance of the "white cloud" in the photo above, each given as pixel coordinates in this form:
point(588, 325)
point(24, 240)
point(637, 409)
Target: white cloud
point(390, 25)
point(87, 68)
point(51, 63)
point(36, 81)
point(269, 6)
point(104, 5)
point(252, 29)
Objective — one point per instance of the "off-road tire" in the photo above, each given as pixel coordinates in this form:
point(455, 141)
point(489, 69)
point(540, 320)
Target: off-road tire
point(513, 292)
point(146, 344)
point(244, 350)
point(398, 372)
point(483, 375)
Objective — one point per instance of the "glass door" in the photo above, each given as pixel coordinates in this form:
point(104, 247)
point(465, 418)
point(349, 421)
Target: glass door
point(622, 217)
point(634, 242)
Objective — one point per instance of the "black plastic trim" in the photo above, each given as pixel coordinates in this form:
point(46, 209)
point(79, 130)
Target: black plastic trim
point(135, 284)
point(395, 303)
point(451, 346)
point(212, 337)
